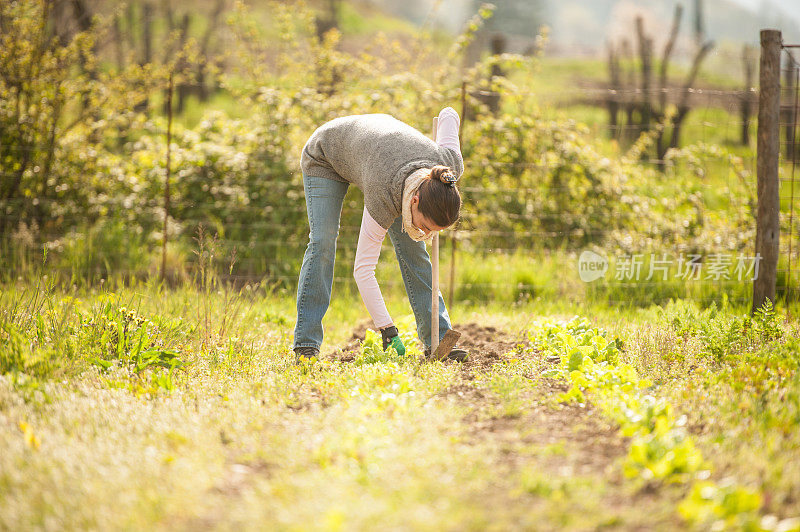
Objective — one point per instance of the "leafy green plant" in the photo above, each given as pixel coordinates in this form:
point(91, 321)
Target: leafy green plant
point(117, 334)
point(726, 506)
point(661, 450)
point(372, 350)
point(14, 357)
point(665, 453)
point(35, 334)
point(766, 322)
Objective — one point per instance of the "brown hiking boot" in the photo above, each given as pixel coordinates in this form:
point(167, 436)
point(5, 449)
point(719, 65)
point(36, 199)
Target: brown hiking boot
point(458, 354)
point(305, 355)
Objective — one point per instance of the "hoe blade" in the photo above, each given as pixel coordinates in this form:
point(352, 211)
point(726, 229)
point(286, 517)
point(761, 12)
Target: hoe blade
point(447, 343)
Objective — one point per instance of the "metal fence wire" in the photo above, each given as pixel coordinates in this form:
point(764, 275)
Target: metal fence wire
point(716, 115)
point(790, 159)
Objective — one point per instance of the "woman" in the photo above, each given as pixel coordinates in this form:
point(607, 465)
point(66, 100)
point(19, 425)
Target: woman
point(409, 189)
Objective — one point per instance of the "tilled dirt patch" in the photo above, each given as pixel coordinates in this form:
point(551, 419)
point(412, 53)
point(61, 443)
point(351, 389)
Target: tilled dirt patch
point(486, 344)
point(347, 352)
point(590, 444)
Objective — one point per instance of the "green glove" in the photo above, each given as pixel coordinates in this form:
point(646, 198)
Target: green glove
point(397, 343)
point(391, 337)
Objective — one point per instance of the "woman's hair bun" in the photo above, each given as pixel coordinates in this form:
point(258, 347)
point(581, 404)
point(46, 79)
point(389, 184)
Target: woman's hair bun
point(443, 174)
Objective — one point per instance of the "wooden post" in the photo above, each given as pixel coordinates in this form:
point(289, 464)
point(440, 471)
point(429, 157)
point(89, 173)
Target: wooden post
point(767, 223)
point(166, 182)
point(789, 114)
point(745, 102)
point(435, 276)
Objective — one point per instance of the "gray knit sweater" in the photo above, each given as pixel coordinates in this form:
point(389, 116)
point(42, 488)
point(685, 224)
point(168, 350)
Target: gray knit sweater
point(375, 152)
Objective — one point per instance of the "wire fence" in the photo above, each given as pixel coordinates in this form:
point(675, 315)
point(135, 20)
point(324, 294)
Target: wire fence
point(531, 249)
point(790, 153)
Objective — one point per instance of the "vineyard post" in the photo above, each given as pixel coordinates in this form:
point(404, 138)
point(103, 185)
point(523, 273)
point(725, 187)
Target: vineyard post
point(768, 152)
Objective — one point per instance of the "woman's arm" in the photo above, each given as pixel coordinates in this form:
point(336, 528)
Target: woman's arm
point(367, 252)
point(447, 133)
point(447, 130)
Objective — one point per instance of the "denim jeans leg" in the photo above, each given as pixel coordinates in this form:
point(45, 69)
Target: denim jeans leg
point(324, 198)
point(415, 266)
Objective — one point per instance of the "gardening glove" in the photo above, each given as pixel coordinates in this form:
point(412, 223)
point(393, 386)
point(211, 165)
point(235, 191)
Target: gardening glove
point(392, 338)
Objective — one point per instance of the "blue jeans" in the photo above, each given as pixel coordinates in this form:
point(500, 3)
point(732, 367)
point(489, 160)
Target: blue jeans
point(324, 198)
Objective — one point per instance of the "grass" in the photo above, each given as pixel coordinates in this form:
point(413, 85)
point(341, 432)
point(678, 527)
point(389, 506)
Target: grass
point(236, 435)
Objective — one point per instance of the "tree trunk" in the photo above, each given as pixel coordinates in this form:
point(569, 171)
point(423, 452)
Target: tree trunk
point(83, 19)
point(683, 105)
point(699, 23)
point(661, 113)
point(612, 100)
point(48, 162)
point(183, 87)
point(628, 100)
point(498, 47)
point(147, 49)
point(119, 43)
point(673, 36)
point(205, 44)
point(646, 56)
point(147, 33)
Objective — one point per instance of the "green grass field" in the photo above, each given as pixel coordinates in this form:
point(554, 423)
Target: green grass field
point(140, 408)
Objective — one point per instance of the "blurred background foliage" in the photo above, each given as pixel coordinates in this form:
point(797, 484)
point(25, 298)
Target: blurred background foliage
point(83, 139)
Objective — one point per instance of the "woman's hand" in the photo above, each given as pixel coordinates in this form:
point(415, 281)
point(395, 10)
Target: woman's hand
point(391, 337)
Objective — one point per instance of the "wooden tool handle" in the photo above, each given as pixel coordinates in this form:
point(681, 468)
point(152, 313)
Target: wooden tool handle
point(435, 274)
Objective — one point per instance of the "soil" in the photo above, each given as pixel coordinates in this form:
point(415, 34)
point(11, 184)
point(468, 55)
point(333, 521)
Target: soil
point(592, 444)
point(347, 352)
point(486, 344)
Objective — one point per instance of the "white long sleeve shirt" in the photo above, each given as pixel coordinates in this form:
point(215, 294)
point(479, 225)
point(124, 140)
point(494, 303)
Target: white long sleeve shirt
point(371, 235)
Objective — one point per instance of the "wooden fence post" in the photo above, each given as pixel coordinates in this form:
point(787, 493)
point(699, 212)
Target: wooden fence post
point(767, 218)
